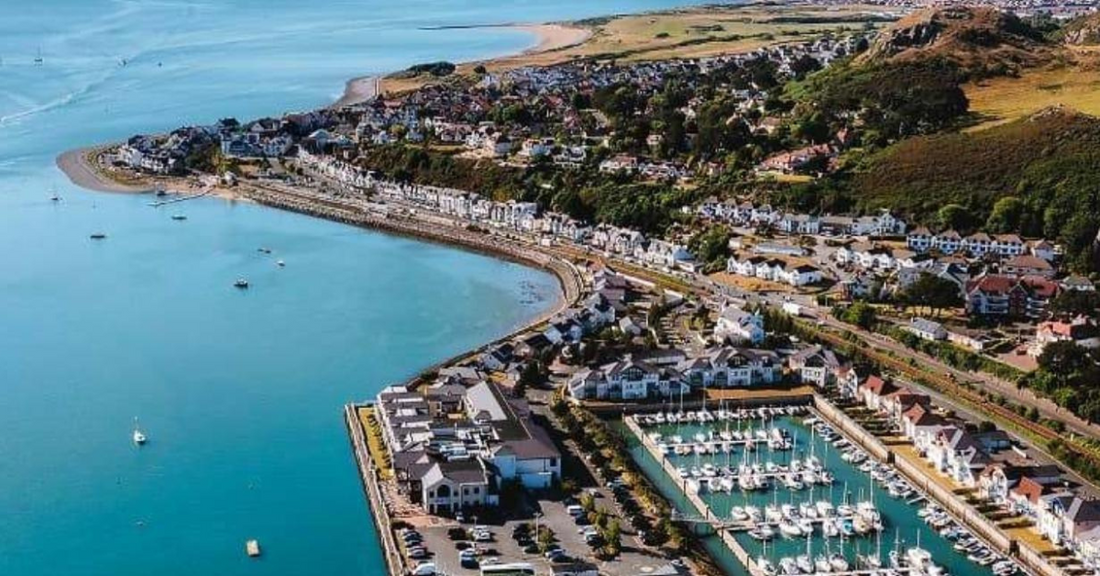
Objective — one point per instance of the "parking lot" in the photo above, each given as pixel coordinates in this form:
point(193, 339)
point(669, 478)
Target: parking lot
point(444, 550)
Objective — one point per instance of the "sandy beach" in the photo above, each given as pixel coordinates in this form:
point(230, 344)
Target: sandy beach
point(548, 38)
point(76, 164)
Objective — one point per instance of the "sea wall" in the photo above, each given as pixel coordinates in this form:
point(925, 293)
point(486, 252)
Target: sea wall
point(368, 473)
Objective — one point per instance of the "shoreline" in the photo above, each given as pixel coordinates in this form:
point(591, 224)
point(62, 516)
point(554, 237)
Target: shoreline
point(548, 37)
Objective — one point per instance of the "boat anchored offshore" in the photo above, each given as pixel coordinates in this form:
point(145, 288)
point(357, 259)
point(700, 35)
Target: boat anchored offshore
point(241, 283)
point(179, 217)
point(98, 236)
point(138, 435)
point(252, 548)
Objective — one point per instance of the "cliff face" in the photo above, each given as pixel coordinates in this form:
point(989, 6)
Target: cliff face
point(981, 41)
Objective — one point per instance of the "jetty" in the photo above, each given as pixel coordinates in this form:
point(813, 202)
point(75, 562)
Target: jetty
point(181, 198)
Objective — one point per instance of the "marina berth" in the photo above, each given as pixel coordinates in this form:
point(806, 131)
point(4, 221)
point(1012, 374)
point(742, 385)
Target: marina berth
point(819, 505)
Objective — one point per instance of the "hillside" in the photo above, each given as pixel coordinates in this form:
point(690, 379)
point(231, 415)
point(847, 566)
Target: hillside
point(1082, 31)
point(1050, 160)
point(982, 42)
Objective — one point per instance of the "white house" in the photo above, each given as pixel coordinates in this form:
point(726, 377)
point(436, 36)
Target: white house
point(739, 326)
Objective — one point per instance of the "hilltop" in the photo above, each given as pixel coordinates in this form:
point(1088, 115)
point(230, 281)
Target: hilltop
point(980, 41)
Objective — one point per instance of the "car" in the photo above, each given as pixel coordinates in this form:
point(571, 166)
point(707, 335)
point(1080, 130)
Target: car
point(469, 563)
point(457, 533)
point(467, 553)
point(461, 518)
point(483, 536)
point(531, 549)
point(418, 552)
point(424, 569)
point(554, 553)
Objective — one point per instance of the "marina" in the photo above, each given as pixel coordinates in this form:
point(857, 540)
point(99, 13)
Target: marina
point(790, 495)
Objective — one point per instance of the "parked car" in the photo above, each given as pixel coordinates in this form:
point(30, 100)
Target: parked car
point(424, 569)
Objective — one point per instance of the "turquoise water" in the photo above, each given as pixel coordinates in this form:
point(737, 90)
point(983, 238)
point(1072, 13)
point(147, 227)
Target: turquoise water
point(239, 391)
point(902, 525)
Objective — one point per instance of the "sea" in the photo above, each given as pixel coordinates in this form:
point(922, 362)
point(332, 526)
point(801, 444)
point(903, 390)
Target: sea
point(239, 391)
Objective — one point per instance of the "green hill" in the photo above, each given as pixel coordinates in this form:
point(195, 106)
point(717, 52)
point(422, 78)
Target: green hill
point(1049, 160)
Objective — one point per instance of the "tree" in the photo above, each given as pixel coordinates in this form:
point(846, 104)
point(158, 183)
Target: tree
point(804, 65)
point(1071, 303)
point(861, 314)
point(613, 538)
point(956, 217)
point(530, 376)
point(712, 247)
point(1064, 359)
point(1006, 215)
point(933, 292)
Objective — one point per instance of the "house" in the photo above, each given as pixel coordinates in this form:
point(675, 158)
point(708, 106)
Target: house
point(919, 240)
point(976, 340)
point(998, 295)
point(738, 326)
point(1043, 249)
point(921, 426)
point(450, 486)
point(873, 390)
point(895, 403)
point(626, 379)
point(1027, 265)
point(814, 365)
point(947, 242)
point(727, 367)
point(1076, 282)
point(927, 329)
point(1080, 330)
point(956, 453)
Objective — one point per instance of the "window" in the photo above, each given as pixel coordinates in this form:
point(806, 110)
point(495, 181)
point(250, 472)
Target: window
point(477, 490)
point(553, 462)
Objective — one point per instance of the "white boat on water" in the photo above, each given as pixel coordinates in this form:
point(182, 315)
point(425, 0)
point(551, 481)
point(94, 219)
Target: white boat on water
point(138, 435)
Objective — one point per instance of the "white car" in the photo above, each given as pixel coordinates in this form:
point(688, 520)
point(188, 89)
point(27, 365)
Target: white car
point(424, 569)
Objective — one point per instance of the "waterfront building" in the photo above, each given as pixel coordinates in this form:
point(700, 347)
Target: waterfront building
point(453, 445)
point(738, 326)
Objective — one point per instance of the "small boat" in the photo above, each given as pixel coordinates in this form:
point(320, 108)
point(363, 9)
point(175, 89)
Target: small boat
point(252, 548)
point(179, 217)
point(241, 283)
point(138, 435)
point(280, 263)
point(263, 250)
point(98, 236)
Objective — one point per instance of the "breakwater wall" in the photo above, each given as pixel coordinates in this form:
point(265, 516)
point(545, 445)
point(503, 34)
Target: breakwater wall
point(368, 473)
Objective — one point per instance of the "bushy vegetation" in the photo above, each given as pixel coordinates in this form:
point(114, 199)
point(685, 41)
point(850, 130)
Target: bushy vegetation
point(893, 100)
point(1069, 376)
point(1047, 166)
point(441, 68)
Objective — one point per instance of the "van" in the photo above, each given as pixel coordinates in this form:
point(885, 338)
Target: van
point(574, 510)
point(424, 569)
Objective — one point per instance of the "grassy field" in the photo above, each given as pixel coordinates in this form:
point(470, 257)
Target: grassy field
point(688, 33)
point(1002, 100)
